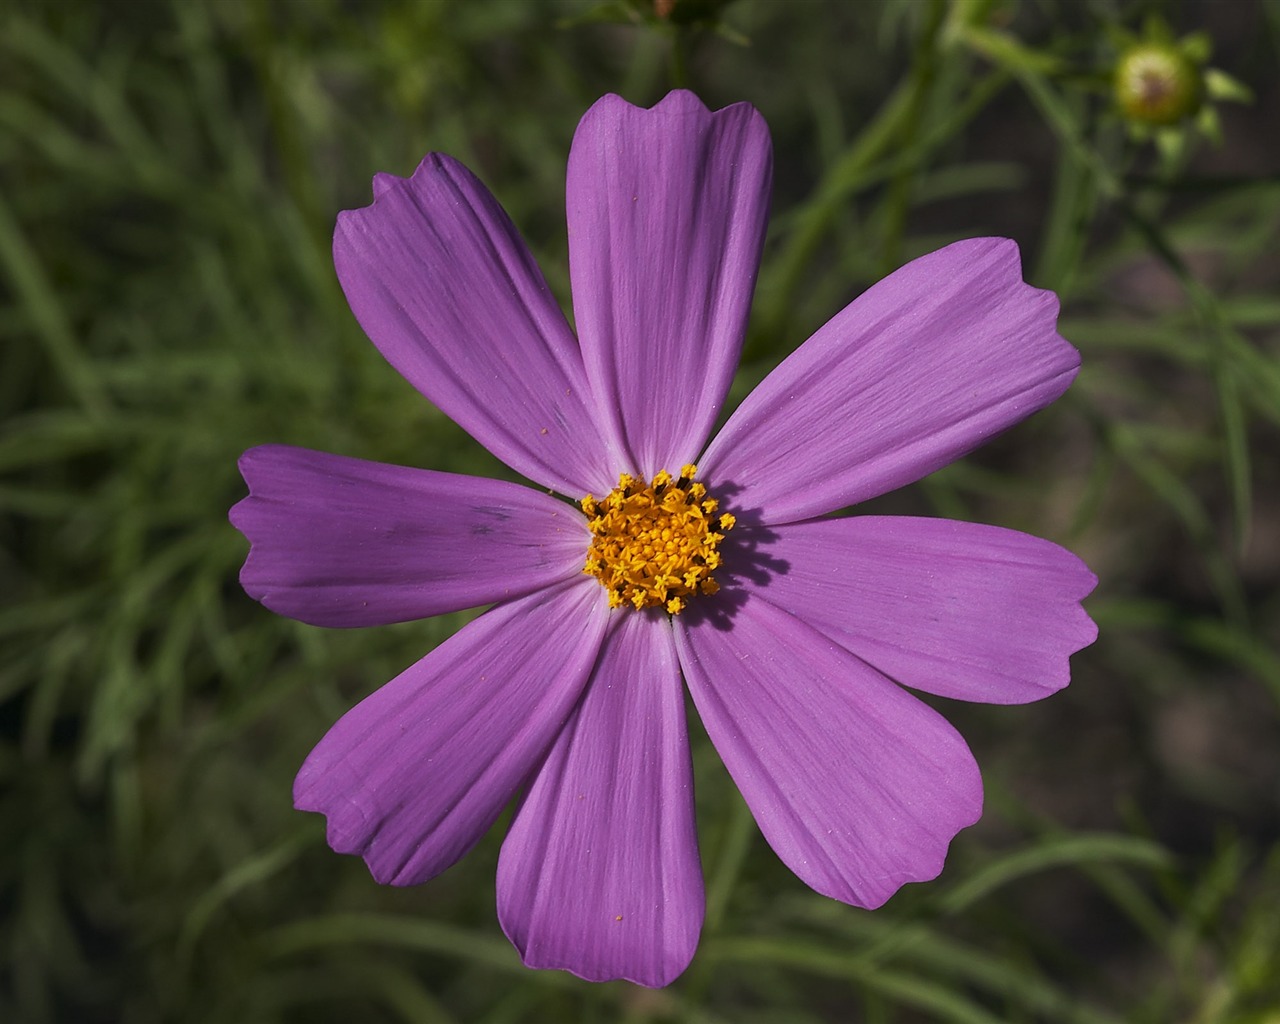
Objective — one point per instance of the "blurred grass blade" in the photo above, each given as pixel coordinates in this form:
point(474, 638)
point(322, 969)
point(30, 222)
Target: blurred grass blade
point(33, 288)
point(1047, 854)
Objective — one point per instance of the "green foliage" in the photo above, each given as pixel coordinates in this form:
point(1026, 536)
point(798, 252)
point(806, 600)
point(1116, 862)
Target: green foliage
point(169, 175)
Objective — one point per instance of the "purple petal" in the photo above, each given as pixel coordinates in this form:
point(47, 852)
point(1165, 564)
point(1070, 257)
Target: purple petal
point(856, 784)
point(442, 283)
point(344, 542)
point(921, 368)
point(957, 609)
point(413, 775)
point(667, 211)
point(599, 874)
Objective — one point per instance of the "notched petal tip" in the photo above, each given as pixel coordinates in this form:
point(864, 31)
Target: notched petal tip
point(252, 458)
point(1087, 628)
point(313, 793)
point(242, 515)
point(1076, 582)
point(350, 827)
point(677, 103)
point(383, 182)
point(930, 859)
point(1003, 256)
point(669, 973)
point(1007, 255)
point(684, 102)
point(385, 185)
point(238, 515)
point(612, 105)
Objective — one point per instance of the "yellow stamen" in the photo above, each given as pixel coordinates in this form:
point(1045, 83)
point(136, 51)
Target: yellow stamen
point(655, 546)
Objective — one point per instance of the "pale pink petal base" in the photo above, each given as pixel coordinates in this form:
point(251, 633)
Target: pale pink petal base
point(416, 773)
point(958, 609)
point(858, 786)
point(599, 874)
point(345, 542)
point(923, 367)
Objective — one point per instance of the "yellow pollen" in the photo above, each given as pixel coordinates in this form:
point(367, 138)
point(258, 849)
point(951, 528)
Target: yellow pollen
point(655, 546)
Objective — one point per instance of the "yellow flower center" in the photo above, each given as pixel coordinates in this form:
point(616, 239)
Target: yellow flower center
point(656, 545)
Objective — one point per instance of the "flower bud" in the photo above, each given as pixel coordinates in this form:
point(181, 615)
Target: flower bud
point(1157, 84)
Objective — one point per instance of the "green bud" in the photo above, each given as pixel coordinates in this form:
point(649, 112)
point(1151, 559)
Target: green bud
point(1157, 84)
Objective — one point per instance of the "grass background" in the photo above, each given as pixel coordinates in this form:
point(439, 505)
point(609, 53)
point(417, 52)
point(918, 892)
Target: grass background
point(169, 175)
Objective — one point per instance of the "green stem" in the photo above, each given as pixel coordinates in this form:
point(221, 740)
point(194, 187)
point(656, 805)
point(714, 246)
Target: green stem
point(738, 831)
point(679, 59)
point(924, 68)
point(1031, 70)
point(873, 155)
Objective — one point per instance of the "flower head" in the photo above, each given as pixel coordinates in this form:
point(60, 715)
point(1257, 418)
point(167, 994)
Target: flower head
point(678, 562)
point(1164, 88)
point(1157, 83)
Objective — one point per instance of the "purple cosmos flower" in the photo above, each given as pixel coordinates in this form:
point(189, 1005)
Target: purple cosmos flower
point(795, 634)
